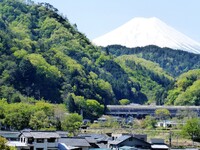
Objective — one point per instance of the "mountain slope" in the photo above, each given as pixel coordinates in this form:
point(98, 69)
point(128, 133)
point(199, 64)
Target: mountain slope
point(140, 32)
point(42, 56)
point(174, 62)
point(152, 79)
point(186, 89)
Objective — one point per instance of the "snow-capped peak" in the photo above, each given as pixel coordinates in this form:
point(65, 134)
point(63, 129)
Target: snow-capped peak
point(140, 32)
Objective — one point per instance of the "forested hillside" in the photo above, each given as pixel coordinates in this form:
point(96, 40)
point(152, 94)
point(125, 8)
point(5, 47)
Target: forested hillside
point(44, 57)
point(186, 89)
point(174, 62)
point(152, 79)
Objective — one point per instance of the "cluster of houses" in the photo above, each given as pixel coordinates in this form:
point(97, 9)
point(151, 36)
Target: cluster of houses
point(57, 140)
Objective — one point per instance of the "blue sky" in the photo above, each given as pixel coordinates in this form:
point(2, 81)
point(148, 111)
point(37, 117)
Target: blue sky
point(97, 17)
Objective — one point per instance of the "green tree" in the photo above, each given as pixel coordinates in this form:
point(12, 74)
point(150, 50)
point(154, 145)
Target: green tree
point(124, 102)
point(192, 128)
point(39, 120)
point(17, 115)
point(186, 114)
point(3, 145)
point(59, 113)
point(94, 109)
point(149, 122)
point(72, 123)
point(162, 113)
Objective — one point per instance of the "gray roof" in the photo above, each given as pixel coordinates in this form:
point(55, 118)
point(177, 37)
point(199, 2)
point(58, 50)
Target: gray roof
point(102, 146)
point(93, 135)
point(157, 141)
point(91, 140)
point(97, 137)
point(62, 134)
point(41, 135)
point(9, 134)
point(124, 138)
point(77, 142)
point(120, 139)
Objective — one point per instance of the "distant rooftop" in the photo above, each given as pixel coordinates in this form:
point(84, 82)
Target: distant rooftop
point(41, 134)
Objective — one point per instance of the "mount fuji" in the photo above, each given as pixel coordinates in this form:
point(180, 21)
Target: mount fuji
point(140, 32)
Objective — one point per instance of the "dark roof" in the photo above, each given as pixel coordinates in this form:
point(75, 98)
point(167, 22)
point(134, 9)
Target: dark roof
point(124, 138)
point(102, 146)
point(97, 137)
point(120, 139)
point(91, 140)
point(78, 142)
point(40, 134)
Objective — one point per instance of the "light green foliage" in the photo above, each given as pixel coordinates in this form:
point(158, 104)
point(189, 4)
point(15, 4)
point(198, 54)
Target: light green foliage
point(186, 90)
point(105, 88)
point(80, 101)
point(43, 67)
point(46, 107)
point(39, 116)
point(72, 123)
point(147, 64)
point(101, 60)
point(20, 53)
point(172, 96)
point(44, 56)
point(149, 122)
point(175, 62)
point(124, 102)
point(152, 78)
point(192, 128)
point(3, 145)
point(94, 107)
point(48, 26)
point(191, 96)
point(162, 113)
point(69, 63)
point(17, 116)
point(39, 120)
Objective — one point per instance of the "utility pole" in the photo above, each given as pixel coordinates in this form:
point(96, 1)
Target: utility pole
point(170, 139)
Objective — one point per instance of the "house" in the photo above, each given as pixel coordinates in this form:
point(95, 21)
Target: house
point(96, 140)
point(73, 143)
point(36, 140)
point(158, 144)
point(168, 124)
point(130, 141)
point(138, 136)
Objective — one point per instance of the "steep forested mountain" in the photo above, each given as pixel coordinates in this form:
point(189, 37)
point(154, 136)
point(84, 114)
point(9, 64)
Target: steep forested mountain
point(43, 56)
point(175, 62)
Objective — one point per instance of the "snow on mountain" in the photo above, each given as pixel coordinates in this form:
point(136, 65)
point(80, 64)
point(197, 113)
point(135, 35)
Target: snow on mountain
point(140, 32)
